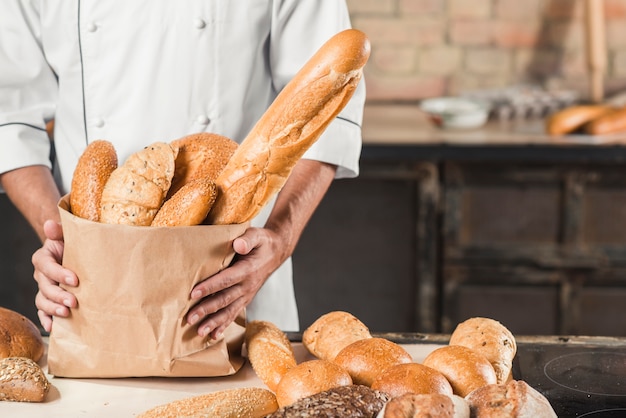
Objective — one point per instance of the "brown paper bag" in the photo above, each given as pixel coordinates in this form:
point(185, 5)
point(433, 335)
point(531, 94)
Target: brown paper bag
point(132, 299)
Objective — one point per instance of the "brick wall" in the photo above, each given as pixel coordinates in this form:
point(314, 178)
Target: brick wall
point(425, 48)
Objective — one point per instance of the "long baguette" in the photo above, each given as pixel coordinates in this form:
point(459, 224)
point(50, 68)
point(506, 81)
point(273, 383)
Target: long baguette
point(295, 120)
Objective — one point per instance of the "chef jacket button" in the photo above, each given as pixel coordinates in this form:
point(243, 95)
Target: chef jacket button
point(98, 123)
point(92, 27)
point(202, 119)
point(199, 23)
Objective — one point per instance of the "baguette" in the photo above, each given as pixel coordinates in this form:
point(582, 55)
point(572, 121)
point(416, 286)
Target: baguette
point(136, 190)
point(572, 118)
point(269, 351)
point(491, 339)
point(22, 380)
point(19, 336)
point(93, 170)
point(189, 205)
point(229, 403)
point(331, 332)
point(607, 123)
point(294, 121)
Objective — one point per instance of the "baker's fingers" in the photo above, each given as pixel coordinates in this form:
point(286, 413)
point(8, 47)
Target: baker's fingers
point(53, 230)
point(45, 320)
point(216, 323)
point(48, 268)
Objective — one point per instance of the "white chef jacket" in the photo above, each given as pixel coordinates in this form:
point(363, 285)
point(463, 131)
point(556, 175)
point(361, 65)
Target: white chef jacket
point(140, 71)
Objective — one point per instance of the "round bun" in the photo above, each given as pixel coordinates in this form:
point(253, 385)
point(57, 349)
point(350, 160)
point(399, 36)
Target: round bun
point(22, 380)
point(92, 171)
point(491, 339)
point(340, 402)
point(19, 337)
point(465, 369)
point(515, 399)
point(419, 405)
point(411, 378)
point(189, 205)
point(332, 332)
point(366, 359)
point(309, 378)
point(202, 155)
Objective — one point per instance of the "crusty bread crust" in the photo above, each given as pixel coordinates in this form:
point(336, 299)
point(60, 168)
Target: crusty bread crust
point(293, 122)
point(331, 332)
point(515, 399)
point(269, 351)
point(572, 118)
point(22, 380)
point(189, 205)
point(412, 405)
point(411, 378)
point(92, 171)
point(231, 403)
point(19, 336)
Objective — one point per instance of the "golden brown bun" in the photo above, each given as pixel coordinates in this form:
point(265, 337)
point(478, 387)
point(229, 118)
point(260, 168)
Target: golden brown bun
point(94, 167)
point(309, 378)
point(331, 332)
point(229, 403)
point(465, 369)
point(269, 351)
point(366, 359)
point(339, 402)
point(413, 405)
point(491, 339)
point(22, 380)
point(607, 123)
point(189, 205)
point(292, 123)
point(411, 378)
point(516, 399)
point(202, 155)
point(573, 118)
point(19, 337)
point(136, 190)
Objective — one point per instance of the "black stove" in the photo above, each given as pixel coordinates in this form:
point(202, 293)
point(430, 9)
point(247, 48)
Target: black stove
point(581, 377)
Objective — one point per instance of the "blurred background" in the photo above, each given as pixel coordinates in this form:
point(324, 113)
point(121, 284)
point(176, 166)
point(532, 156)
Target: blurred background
point(437, 230)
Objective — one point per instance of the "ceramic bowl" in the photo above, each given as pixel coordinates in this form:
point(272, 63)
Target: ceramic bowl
point(456, 112)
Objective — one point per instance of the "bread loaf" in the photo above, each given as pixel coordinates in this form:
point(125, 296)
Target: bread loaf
point(366, 359)
point(200, 156)
point(490, 338)
point(573, 118)
point(230, 403)
point(19, 337)
point(22, 380)
point(339, 402)
point(515, 399)
point(136, 190)
point(412, 405)
point(293, 122)
point(607, 123)
point(92, 171)
point(309, 378)
point(331, 332)
point(269, 351)
point(465, 369)
point(411, 378)
point(189, 205)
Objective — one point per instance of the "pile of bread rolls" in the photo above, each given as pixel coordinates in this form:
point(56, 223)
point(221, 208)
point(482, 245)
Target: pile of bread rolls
point(207, 178)
point(587, 119)
point(21, 347)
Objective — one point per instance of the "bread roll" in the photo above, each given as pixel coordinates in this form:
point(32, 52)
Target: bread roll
point(573, 118)
point(200, 156)
point(292, 123)
point(339, 402)
point(465, 369)
point(19, 337)
point(331, 332)
point(309, 378)
point(491, 339)
point(94, 167)
point(412, 405)
point(22, 380)
point(136, 190)
point(269, 351)
point(411, 378)
point(189, 205)
point(515, 399)
point(366, 359)
point(230, 403)
point(607, 123)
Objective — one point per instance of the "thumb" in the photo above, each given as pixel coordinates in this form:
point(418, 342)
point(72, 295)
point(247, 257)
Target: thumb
point(53, 230)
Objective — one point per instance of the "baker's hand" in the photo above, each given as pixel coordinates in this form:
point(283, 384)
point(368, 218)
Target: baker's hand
point(225, 294)
point(52, 300)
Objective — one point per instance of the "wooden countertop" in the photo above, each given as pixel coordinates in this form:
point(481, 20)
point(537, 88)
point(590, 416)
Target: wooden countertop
point(407, 125)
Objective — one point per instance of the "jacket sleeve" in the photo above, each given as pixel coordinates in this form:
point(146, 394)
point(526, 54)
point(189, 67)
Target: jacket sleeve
point(299, 29)
point(28, 88)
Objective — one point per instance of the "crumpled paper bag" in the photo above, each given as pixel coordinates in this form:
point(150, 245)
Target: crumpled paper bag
point(132, 297)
